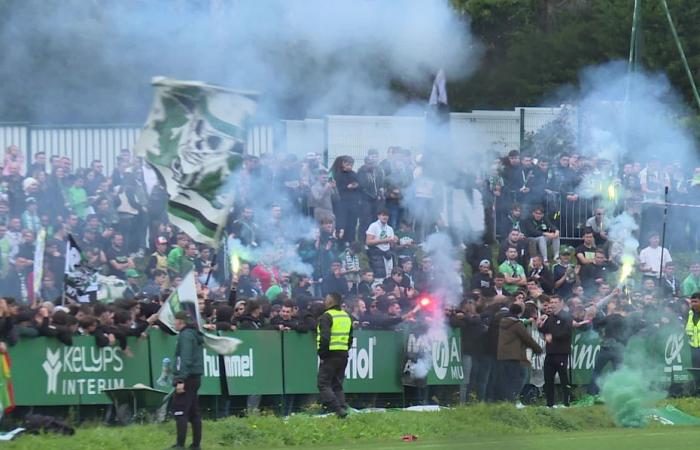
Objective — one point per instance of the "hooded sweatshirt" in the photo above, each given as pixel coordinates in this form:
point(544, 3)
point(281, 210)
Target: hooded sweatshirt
point(514, 340)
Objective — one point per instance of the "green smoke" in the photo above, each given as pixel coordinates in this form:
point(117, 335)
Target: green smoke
point(631, 391)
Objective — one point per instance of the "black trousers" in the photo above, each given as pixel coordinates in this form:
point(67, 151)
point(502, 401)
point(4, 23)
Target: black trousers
point(186, 409)
point(606, 355)
point(556, 364)
point(695, 359)
point(331, 373)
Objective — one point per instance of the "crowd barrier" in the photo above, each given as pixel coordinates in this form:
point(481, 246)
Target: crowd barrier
point(46, 372)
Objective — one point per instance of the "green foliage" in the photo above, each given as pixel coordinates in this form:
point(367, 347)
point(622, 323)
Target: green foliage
point(535, 49)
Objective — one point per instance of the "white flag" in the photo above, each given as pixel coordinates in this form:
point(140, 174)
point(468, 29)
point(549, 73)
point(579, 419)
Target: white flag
point(184, 298)
point(439, 93)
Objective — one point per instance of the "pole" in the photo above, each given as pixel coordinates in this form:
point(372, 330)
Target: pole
point(522, 128)
point(634, 50)
point(663, 233)
point(679, 46)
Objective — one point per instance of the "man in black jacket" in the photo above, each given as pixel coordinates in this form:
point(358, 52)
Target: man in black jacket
point(333, 340)
point(615, 331)
point(471, 329)
point(539, 231)
point(593, 275)
point(556, 325)
point(189, 367)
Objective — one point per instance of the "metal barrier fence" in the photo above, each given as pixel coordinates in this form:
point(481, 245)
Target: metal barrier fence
point(331, 136)
point(478, 131)
point(85, 143)
point(568, 216)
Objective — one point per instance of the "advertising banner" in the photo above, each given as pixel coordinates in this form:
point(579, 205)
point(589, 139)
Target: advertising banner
point(374, 363)
point(256, 366)
point(46, 372)
point(441, 355)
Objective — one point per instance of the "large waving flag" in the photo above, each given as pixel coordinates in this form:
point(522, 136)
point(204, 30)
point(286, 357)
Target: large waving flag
point(79, 280)
point(184, 298)
point(193, 139)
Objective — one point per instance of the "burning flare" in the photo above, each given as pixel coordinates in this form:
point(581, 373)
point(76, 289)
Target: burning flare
point(627, 268)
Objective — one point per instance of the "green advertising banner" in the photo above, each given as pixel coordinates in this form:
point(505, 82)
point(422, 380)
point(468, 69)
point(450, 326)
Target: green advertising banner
point(256, 367)
point(46, 372)
point(667, 346)
point(162, 360)
point(442, 354)
point(374, 363)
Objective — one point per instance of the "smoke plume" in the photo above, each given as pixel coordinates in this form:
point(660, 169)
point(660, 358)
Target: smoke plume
point(92, 61)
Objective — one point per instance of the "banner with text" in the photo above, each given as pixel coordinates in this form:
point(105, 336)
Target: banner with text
point(46, 372)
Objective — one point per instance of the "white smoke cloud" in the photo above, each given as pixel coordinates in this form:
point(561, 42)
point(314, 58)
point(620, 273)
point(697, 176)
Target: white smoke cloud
point(92, 60)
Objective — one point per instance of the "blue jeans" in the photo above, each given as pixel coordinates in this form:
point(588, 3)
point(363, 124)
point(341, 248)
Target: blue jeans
point(512, 378)
point(464, 385)
point(480, 374)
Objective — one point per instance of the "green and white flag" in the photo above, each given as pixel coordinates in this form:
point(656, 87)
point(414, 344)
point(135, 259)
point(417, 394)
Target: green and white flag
point(193, 139)
point(184, 298)
point(39, 263)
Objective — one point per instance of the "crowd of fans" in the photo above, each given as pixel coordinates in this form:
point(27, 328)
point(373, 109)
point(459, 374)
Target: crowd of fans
point(371, 224)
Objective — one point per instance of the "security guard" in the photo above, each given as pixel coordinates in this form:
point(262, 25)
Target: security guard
point(333, 340)
point(692, 329)
point(189, 367)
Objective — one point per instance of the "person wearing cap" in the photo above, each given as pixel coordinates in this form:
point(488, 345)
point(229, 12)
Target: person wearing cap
point(133, 286)
point(333, 340)
point(158, 261)
point(564, 273)
point(189, 367)
point(483, 279)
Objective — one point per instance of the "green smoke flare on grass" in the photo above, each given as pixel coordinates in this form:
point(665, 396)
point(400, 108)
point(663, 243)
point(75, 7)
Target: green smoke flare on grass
point(631, 391)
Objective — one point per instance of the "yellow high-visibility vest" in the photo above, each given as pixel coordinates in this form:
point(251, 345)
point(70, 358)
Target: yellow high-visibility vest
point(693, 331)
point(340, 331)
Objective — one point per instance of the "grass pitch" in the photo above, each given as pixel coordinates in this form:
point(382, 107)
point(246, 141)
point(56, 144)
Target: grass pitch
point(499, 426)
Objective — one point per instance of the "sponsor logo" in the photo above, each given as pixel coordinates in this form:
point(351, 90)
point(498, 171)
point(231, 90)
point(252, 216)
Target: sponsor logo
point(361, 360)
point(235, 366)
point(82, 370)
point(442, 352)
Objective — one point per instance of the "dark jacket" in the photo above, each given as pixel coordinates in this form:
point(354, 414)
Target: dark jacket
point(292, 323)
point(560, 327)
point(614, 328)
point(472, 329)
point(591, 272)
point(189, 358)
point(544, 277)
point(514, 340)
point(381, 321)
point(325, 323)
point(534, 228)
point(249, 322)
point(491, 336)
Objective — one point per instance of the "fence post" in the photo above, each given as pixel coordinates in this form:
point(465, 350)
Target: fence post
point(522, 127)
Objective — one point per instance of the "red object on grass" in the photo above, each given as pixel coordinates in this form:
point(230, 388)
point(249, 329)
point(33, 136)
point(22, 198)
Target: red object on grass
point(409, 437)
